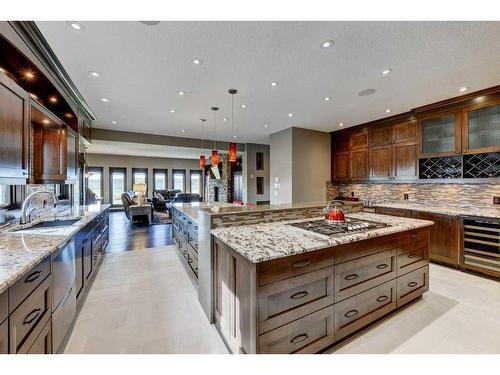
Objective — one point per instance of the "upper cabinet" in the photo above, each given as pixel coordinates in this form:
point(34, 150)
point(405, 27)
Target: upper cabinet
point(14, 131)
point(440, 134)
point(481, 128)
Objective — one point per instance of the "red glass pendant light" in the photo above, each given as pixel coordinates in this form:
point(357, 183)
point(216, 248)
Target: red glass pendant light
point(232, 145)
point(202, 157)
point(202, 161)
point(215, 153)
point(215, 158)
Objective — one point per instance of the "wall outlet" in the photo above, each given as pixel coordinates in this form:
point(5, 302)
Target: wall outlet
point(496, 200)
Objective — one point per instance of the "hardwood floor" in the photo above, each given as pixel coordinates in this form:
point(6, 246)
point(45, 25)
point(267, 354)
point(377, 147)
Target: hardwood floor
point(124, 236)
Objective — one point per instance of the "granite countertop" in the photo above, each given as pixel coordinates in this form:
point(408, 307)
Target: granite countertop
point(191, 210)
point(19, 252)
point(445, 209)
point(263, 242)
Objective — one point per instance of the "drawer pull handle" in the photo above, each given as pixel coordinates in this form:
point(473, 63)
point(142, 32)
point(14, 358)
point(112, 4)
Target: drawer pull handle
point(190, 260)
point(301, 263)
point(32, 277)
point(352, 276)
point(382, 298)
point(299, 338)
point(382, 266)
point(299, 295)
point(412, 255)
point(30, 318)
point(412, 284)
point(351, 313)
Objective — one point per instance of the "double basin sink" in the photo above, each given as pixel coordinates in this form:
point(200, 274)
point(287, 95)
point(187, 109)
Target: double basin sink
point(60, 226)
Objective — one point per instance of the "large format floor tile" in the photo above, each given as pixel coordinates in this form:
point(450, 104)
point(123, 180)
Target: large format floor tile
point(143, 302)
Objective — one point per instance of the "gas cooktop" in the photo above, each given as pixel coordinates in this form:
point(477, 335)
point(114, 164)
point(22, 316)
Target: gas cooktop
point(335, 230)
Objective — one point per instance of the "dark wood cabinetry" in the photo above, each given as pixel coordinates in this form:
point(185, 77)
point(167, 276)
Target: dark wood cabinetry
point(185, 236)
point(341, 166)
point(14, 130)
point(405, 161)
point(358, 161)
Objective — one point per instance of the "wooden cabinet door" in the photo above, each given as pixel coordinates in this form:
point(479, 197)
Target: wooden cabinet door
point(480, 128)
point(405, 132)
point(43, 343)
point(14, 130)
point(79, 266)
point(87, 258)
point(4, 337)
point(381, 163)
point(358, 140)
point(359, 164)
point(341, 166)
point(340, 141)
point(393, 211)
point(443, 237)
point(380, 136)
point(405, 161)
point(49, 154)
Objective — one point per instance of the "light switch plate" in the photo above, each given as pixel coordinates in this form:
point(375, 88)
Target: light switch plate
point(496, 200)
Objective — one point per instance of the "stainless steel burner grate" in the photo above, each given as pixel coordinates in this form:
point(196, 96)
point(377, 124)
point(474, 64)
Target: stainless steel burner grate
point(350, 226)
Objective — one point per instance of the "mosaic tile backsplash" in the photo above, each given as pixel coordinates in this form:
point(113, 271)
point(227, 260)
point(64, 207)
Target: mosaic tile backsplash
point(463, 194)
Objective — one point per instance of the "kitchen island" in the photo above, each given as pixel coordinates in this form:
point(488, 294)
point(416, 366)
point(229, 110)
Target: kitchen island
point(281, 288)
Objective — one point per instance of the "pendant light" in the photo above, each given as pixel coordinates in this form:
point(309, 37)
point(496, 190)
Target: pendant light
point(202, 156)
point(215, 153)
point(232, 145)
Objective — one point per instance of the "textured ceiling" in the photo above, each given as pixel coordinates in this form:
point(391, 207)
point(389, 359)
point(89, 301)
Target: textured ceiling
point(143, 68)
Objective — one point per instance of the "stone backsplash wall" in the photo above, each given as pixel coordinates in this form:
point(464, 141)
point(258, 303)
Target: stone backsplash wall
point(459, 194)
point(224, 182)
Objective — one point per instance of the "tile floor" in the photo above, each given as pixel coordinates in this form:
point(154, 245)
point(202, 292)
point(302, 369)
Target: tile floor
point(144, 302)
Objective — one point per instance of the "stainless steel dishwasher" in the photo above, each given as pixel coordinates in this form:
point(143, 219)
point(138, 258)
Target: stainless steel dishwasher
point(64, 293)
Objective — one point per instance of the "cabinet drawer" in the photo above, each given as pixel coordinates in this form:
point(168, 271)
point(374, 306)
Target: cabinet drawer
point(361, 274)
point(283, 268)
point(410, 238)
point(400, 212)
point(192, 239)
point(413, 285)
point(43, 343)
point(412, 257)
point(306, 335)
point(284, 301)
point(27, 321)
point(356, 312)
point(4, 305)
point(192, 258)
point(23, 287)
point(4, 337)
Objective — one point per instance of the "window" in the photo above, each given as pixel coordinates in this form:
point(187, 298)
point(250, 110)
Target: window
point(160, 179)
point(117, 184)
point(4, 195)
point(139, 176)
point(179, 179)
point(94, 183)
point(195, 181)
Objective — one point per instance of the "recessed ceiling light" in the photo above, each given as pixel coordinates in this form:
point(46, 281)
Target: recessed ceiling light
point(463, 89)
point(266, 126)
point(94, 74)
point(180, 93)
point(2, 70)
point(290, 115)
point(183, 130)
point(327, 98)
point(197, 61)
point(327, 44)
point(274, 84)
point(45, 121)
point(234, 136)
point(33, 95)
point(113, 122)
point(341, 124)
point(386, 71)
point(104, 100)
point(76, 26)
point(243, 106)
point(68, 115)
point(224, 119)
point(388, 110)
point(29, 74)
point(172, 111)
point(366, 92)
point(53, 99)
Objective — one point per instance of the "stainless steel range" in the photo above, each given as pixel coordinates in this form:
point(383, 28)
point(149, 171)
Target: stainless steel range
point(351, 225)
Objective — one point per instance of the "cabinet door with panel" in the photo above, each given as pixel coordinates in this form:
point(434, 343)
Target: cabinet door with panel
point(4, 337)
point(405, 132)
point(381, 162)
point(359, 164)
point(380, 136)
point(405, 161)
point(481, 128)
point(358, 140)
point(14, 128)
point(440, 134)
point(341, 166)
point(443, 237)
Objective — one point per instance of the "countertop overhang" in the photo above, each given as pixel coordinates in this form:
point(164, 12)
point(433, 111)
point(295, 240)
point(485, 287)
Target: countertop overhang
point(444, 209)
point(268, 241)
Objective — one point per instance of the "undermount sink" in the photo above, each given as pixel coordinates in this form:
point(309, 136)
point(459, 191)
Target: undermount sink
point(48, 227)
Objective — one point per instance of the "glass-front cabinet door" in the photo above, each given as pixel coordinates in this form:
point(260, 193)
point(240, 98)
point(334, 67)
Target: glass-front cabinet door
point(482, 128)
point(440, 134)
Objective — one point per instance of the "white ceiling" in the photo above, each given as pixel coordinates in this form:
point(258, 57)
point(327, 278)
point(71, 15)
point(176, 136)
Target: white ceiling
point(141, 149)
point(143, 68)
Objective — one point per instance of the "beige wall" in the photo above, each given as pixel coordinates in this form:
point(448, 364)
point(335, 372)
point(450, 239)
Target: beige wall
point(129, 162)
point(300, 165)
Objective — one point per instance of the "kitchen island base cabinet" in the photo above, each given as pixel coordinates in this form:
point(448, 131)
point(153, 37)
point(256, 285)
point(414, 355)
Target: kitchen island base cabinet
point(308, 302)
point(4, 337)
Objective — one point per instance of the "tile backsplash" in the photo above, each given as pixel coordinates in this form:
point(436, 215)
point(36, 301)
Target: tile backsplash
point(459, 194)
